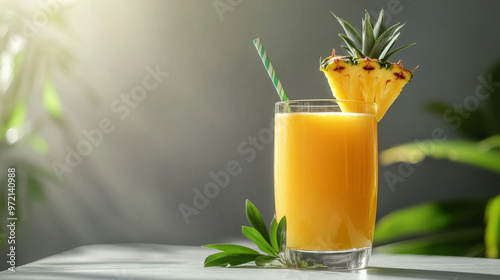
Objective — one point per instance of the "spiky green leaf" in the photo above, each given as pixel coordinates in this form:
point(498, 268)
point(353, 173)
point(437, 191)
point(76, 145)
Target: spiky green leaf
point(393, 38)
point(351, 33)
point(388, 47)
point(376, 40)
point(397, 50)
point(368, 36)
point(379, 27)
point(357, 52)
point(397, 29)
point(349, 50)
point(382, 41)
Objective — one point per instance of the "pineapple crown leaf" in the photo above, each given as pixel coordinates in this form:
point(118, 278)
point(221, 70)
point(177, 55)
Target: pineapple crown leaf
point(376, 40)
point(346, 48)
point(388, 46)
point(349, 31)
point(368, 34)
point(379, 27)
point(354, 51)
point(382, 40)
point(397, 50)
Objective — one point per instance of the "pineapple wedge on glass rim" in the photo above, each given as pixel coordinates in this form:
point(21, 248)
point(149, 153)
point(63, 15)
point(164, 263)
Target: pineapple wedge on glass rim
point(366, 74)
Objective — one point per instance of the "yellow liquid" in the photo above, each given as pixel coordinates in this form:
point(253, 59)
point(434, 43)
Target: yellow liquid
point(326, 179)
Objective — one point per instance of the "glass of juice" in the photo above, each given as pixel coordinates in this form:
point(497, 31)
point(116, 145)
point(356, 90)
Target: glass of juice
point(325, 181)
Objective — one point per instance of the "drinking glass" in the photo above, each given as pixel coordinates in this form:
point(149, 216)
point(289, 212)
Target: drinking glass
point(325, 181)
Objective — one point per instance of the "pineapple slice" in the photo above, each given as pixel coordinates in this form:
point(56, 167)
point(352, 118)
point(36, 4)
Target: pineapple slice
point(365, 74)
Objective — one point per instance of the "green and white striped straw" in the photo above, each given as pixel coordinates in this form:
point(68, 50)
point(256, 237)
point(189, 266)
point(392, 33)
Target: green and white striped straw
point(270, 69)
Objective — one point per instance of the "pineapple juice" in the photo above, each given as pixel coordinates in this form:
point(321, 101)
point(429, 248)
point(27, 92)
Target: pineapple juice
point(326, 179)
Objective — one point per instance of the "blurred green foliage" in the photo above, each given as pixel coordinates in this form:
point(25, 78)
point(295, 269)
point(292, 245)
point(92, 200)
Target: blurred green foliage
point(32, 54)
point(464, 227)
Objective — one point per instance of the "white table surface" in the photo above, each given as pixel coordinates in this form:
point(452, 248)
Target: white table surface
point(155, 261)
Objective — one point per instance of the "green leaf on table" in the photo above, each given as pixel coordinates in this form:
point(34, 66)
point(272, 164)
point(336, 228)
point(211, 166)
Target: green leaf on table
point(257, 238)
point(232, 248)
point(264, 260)
point(281, 234)
point(429, 218)
point(492, 232)
point(273, 236)
point(463, 151)
point(233, 255)
point(255, 219)
point(229, 259)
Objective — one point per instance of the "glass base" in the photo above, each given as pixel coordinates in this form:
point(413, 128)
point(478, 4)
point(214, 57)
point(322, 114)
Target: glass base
point(328, 260)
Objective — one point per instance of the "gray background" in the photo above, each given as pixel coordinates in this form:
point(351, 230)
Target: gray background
point(216, 96)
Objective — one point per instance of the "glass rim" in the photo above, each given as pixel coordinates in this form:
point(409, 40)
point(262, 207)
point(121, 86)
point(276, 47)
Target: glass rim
point(337, 101)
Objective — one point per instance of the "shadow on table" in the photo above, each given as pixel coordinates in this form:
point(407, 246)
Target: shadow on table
point(427, 274)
